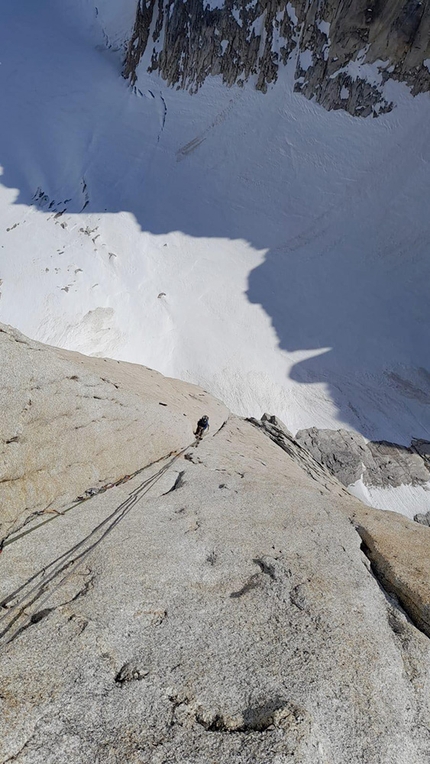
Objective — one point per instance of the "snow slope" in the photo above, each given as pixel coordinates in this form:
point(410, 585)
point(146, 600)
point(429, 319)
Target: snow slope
point(408, 500)
point(273, 252)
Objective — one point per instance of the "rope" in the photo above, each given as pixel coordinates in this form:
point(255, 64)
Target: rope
point(54, 569)
point(6, 540)
point(12, 538)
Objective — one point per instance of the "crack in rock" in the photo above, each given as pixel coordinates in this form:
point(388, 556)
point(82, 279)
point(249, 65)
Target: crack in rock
point(266, 567)
point(252, 583)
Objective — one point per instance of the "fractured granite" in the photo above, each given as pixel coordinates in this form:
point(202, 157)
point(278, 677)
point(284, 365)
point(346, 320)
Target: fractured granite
point(239, 40)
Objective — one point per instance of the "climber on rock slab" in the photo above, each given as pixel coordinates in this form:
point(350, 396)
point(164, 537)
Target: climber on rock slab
point(202, 427)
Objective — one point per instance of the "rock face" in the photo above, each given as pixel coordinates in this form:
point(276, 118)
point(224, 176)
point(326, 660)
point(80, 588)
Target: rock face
point(221, 606)
point(69, 423)
point(380, 464)
point(398, 566)
point(423, 519)
point(332, 43)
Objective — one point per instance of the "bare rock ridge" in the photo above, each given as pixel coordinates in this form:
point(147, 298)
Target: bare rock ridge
point(230, 603)
point(380, 464)
point(423, 519)
point(331, 42)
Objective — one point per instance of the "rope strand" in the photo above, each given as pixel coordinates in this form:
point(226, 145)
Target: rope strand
point(54, 569)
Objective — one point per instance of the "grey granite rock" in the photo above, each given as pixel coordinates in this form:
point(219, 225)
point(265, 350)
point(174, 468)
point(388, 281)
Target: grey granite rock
point(251, 614)
point(422, 519)
point(380, 464)
point(71, 424)
point(341, 451)
point(422, 447)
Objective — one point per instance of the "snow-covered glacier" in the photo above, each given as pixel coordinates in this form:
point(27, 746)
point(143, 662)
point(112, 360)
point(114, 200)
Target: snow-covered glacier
point(271, 247)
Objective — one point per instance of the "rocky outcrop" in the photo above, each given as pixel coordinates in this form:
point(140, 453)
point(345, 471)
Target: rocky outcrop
point(397, 552)
point(230, 603)
point(422, 519)
point(422, 447)
point(343, 53)
point(69, 424)
point(401, 568)
point(380, 464)
point(276, 430)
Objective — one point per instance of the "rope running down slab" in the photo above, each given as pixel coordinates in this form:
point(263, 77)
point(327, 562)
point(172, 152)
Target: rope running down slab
point(36, 586)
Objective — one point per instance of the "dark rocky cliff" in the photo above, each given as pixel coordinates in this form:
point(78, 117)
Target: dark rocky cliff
point(329, 43)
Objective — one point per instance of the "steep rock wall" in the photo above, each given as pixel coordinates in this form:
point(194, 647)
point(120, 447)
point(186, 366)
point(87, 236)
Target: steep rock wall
point(332, 44)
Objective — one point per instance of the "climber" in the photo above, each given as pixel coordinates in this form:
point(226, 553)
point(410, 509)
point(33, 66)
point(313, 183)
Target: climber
point(202, 427)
